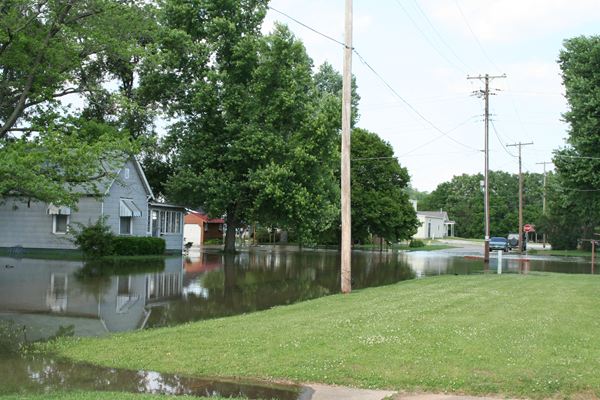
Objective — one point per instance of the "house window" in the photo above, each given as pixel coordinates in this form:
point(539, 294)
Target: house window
point(125, 226)
point(60, 223)
point(170, 221)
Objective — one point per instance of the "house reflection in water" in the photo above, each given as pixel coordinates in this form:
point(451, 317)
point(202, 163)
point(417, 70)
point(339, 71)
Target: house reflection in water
point(50, 296)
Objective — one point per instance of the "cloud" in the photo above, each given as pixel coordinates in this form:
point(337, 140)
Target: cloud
point(506, 21)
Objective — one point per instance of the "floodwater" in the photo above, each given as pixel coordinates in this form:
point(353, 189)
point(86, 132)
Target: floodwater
point(42, 299)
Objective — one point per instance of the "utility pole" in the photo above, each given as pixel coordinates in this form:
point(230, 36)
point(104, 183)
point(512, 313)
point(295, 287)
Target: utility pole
point(544, 198)
point(520, 195)
point(345, 167)
point(486, 197)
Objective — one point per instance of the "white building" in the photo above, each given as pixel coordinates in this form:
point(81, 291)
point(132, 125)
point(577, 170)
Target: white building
point(434, 224)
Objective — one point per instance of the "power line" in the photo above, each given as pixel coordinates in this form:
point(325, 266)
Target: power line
point(439, 137)
point(374, 158)
point(427, 38)
point(475, 36)
point(438, 34)
point(579, 157)
point(308, 27)
point(362, 60)
point(500, 141)
point(407, 103)
point(580, 190)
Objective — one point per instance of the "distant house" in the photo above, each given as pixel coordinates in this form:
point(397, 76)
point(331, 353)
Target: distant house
point(198, 228)
point(434, 224)
point(127, 203)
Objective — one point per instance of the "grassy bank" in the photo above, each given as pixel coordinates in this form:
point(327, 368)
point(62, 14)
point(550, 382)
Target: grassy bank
point(75, 255)
point(96, 396)
point(564, 253)
point(516, 335)
point(429, 246)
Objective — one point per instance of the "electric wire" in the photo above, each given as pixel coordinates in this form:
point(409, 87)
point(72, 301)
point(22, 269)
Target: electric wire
point(439, 35)
point(362, 60)
point(307, 27)
point(500, 140)
point(439, 137)
point(475, 36)
point(445, 134)
point(579, 157)
point(428, 40)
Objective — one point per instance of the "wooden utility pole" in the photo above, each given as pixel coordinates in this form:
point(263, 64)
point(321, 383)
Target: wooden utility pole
point(345, 167)
point(520, 195)
point(544, 199)
point(486, 197)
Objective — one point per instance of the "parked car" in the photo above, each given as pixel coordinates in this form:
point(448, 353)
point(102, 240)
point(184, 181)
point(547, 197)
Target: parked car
point(499, 243)
point(513, 241)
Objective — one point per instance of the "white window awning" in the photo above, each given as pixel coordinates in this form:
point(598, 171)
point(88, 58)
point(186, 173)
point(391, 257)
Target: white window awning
point(129, 209)
point(58, 210)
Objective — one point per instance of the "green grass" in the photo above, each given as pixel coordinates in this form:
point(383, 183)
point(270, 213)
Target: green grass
point(76, 255)
point(97, 396)
point(46, 254)
point(564, 253)
point(477, 240)
point(427, 247)
point(532, 335)
point(430, 245)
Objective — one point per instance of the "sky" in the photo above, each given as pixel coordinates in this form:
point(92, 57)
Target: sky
point(425, 49)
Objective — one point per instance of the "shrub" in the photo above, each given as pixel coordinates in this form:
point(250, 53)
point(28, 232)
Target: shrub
point(416, 243)
point(138, 246)
point(95, 240)
point(213, 241)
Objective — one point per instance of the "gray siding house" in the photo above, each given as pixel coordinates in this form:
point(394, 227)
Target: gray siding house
point(128, 205)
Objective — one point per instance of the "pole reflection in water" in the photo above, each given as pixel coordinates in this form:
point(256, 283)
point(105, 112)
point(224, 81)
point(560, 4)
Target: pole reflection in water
point(218, 285)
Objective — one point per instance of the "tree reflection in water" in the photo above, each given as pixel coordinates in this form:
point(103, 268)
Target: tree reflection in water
point(217, 285)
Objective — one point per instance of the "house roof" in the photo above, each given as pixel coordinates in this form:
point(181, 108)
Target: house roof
point(140, 171)
point(157, 204)
point(434, 214)
point(104, 184)
point(194, 217)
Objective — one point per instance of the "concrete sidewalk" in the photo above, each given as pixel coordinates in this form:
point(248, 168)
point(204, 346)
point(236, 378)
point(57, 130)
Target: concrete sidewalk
point(327, 392)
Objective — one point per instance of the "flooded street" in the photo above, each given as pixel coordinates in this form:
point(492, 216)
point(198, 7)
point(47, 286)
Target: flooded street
point(42, 299)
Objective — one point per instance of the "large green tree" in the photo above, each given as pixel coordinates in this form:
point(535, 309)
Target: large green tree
point(252, 140)
point(50, 50)
point(462, 198)
point(380, 204)
point(575, 206)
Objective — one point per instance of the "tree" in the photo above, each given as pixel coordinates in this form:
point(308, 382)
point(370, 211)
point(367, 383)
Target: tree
point(462, 198)
point(575, 208)
point(329, 82)
point(50, 50)
point(380, 204)
point(252, 139)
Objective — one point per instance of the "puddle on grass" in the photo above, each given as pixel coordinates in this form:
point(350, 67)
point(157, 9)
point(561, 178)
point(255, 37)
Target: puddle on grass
point(45, 375)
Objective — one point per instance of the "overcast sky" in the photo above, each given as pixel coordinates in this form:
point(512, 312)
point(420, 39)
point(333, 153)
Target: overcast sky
point(424, 49)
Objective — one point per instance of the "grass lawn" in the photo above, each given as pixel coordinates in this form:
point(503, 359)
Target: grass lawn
point(530, 335)
point(427, 247)
point(564, 253)
point(76, 255)
point(96, 396)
